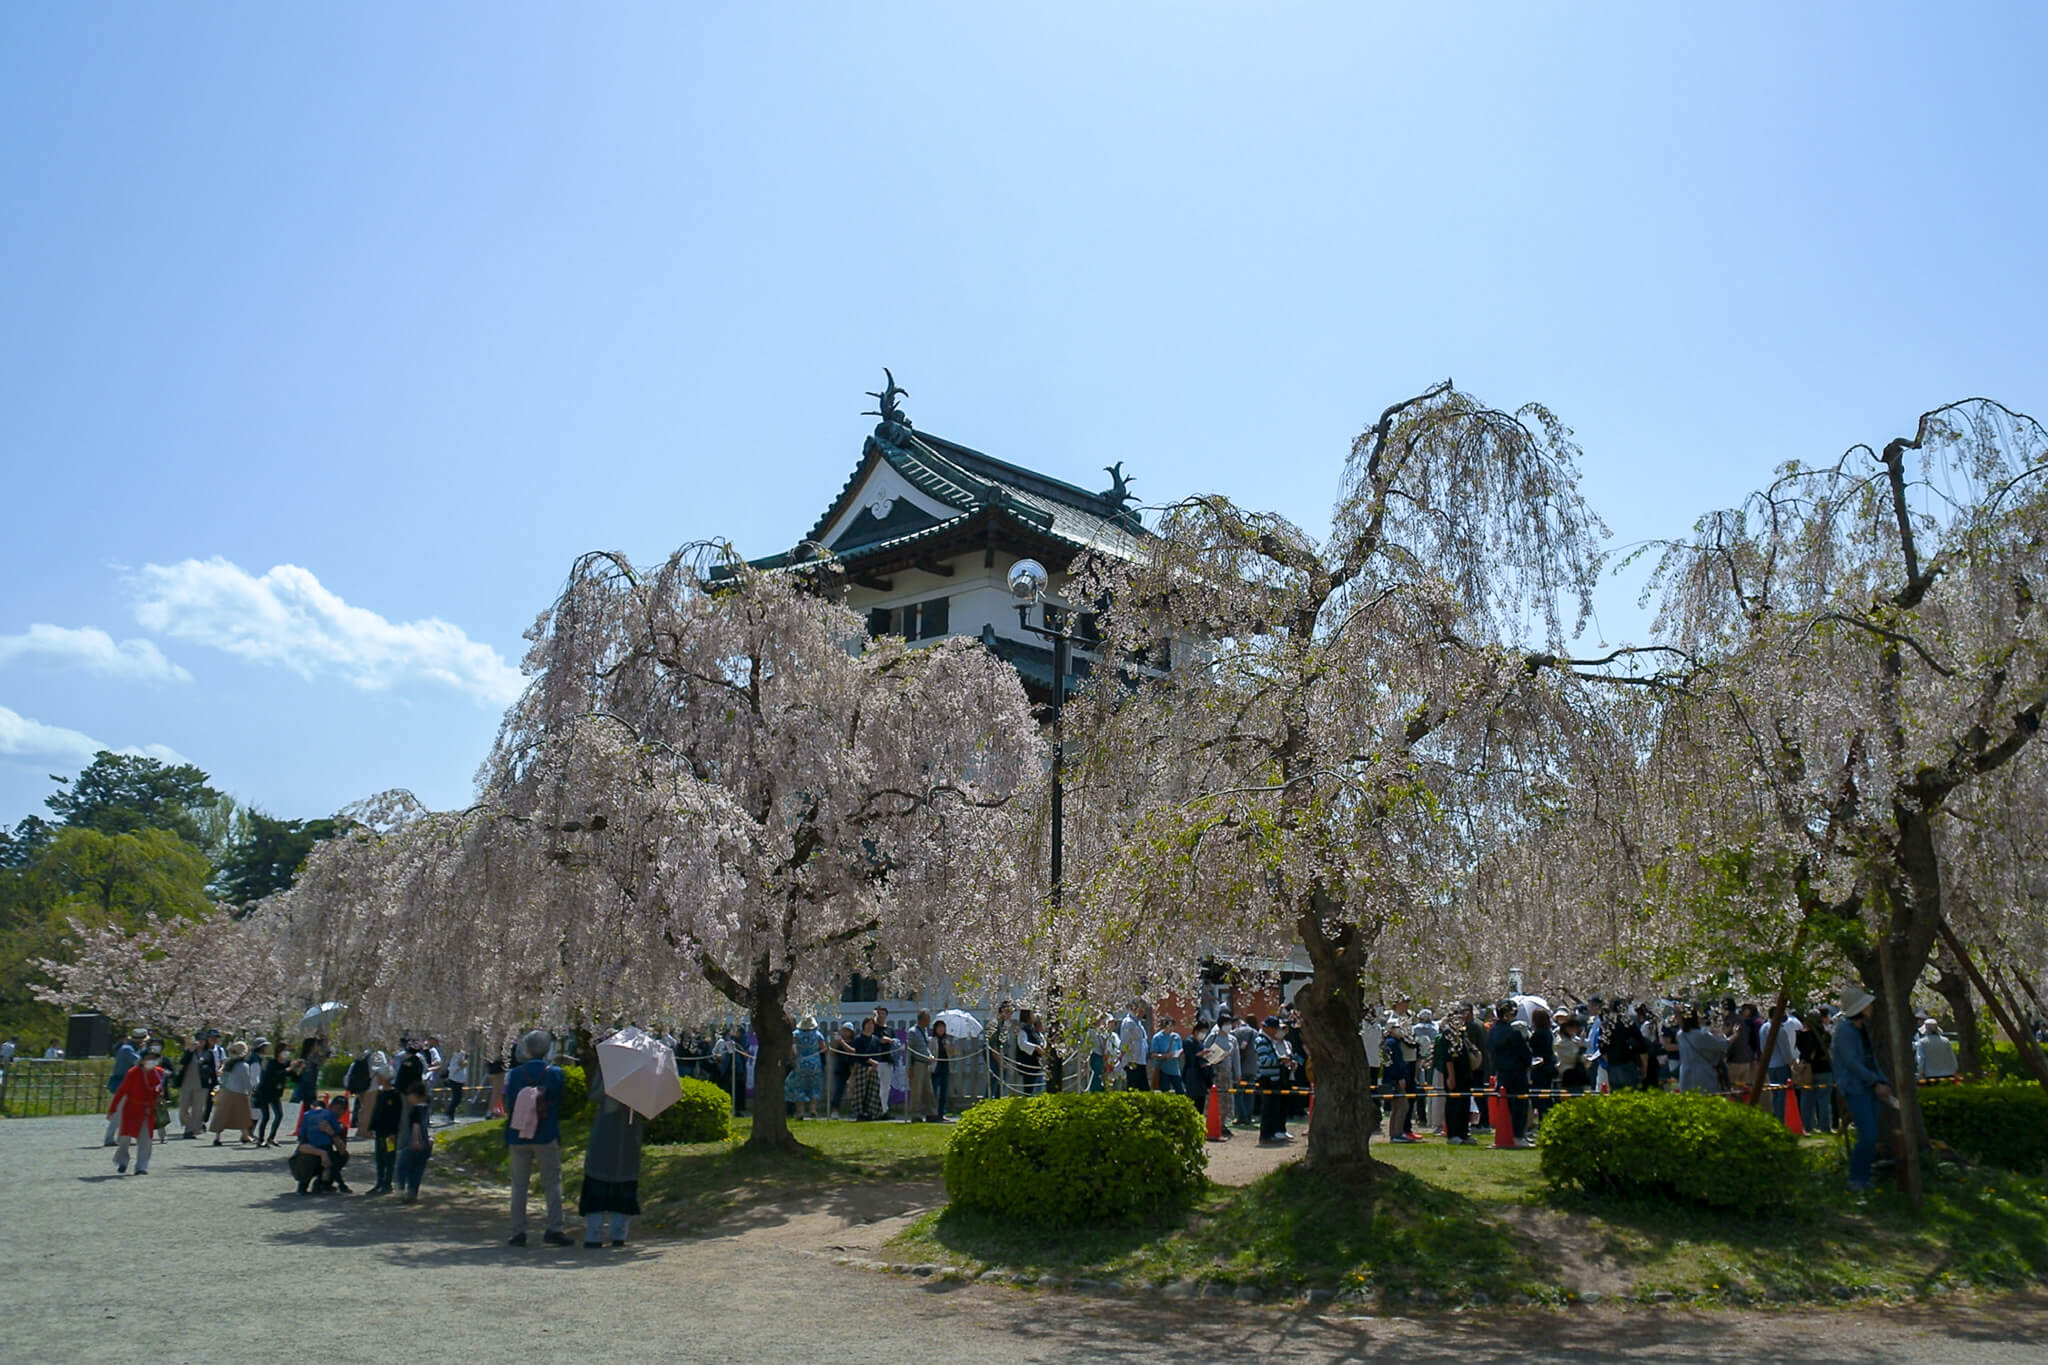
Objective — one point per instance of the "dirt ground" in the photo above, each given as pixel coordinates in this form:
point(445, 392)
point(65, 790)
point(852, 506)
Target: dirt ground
point(213, 1257)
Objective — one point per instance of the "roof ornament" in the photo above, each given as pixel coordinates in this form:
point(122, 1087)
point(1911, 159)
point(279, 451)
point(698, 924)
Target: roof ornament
point(1119, 493)
point(894, 428)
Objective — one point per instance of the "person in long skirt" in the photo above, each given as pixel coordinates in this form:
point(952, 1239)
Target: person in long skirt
point(872, 1051)
point(231, 1108)
point(611, 1167)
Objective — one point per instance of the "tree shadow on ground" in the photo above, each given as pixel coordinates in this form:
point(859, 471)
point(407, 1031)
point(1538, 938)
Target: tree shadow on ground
point(1290, 1230)
point(1816, 1240)
point(1203, 1331)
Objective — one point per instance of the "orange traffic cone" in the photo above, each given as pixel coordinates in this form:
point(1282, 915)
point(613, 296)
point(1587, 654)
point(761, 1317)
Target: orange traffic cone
point(1503, 1121)
point(1215, 1115)
point(1792, 1113)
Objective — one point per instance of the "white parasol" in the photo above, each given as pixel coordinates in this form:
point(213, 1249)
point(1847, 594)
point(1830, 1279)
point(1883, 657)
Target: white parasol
point(959, 1023)
point(320, 1016)
point(639, 1071)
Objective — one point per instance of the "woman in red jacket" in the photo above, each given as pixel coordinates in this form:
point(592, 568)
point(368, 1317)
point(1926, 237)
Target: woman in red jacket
point(134, 1110)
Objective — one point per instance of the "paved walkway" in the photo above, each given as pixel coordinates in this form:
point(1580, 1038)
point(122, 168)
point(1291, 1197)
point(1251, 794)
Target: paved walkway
point(213, 1257)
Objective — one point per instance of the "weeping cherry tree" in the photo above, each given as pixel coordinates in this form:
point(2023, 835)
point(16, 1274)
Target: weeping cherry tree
point(714, 785)
point(1871, 652)
point(1301, 740)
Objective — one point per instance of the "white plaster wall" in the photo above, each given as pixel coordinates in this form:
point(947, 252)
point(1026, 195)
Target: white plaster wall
point(980, 596)
point(884, 482)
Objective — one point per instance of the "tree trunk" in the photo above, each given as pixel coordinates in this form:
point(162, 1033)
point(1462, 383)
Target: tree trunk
point(774, 1035)
point(1332, 1006)
point(1954, 987)
point(2030, 1052)
point(1895, 1013)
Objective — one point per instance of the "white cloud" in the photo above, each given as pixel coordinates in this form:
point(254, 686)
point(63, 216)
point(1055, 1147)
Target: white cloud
point(286, 618)
point(31, 741)
point(93, 651)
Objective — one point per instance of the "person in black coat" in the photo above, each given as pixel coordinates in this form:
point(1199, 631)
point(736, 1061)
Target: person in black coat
point(1511, 1059)
point(387, 1106)
point(1543, 1051)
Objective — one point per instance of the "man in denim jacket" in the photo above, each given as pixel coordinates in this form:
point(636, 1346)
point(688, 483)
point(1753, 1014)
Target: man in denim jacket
point(1862, 1085)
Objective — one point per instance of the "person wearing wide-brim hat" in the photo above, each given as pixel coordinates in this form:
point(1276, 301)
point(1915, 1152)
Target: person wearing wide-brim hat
point(805, 1084)
point(1863, 1086)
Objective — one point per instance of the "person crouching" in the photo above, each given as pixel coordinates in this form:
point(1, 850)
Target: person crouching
point(321, 1139)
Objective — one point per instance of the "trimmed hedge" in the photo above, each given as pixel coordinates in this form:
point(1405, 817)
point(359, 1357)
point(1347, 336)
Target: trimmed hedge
point(2002, 1063)
point(575, 1091)
point(1120, 1157)
point(1699, 1148)
point(703, 1114)
point(2006, 1125)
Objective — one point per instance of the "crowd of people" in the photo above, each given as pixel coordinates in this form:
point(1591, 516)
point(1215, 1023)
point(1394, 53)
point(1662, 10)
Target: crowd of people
point(1446, 1072)
point(242, 1088)
point(389, 1100)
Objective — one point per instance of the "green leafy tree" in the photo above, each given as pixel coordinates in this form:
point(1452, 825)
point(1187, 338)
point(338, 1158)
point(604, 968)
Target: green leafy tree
point(266, 856)
point(29, 838)
point(122, 793)
point(102, 880)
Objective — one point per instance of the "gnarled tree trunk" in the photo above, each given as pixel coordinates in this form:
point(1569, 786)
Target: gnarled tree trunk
point(1332, 1007)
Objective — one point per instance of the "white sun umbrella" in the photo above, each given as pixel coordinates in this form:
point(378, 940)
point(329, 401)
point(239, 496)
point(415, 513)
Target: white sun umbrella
point(639, 1071)
point(959, 1023)
point(320, 1016)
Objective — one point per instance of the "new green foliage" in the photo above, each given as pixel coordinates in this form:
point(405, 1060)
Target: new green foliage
point(575, 1090)
point(703, 1114)
point(1700, 1148)
point(1078, 1158)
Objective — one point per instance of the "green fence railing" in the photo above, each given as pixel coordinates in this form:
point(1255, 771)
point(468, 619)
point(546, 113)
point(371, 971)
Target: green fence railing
point(33, 1088)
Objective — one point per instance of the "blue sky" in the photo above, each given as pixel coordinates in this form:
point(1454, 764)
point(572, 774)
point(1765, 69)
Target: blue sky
point(327, 339)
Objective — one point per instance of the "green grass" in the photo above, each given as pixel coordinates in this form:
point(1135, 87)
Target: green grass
point(690, 1188)
point(1286, 1232)
point(1448, 1225)
point(1442, 1225)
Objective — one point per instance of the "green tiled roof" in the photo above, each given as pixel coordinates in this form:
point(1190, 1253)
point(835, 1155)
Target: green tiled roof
point(969, 481)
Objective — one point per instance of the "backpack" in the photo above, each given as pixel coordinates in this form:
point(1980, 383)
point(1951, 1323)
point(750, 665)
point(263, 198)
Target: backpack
point(530, 1108)
point(358, 1078)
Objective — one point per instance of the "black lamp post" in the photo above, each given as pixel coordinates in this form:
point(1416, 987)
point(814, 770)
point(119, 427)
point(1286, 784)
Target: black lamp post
point(1028, 580)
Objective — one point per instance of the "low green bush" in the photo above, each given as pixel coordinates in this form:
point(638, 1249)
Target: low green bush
point(334, 1070)
point(1699, 1148)
point(2006, 1125)
point(2002, 1062)
point(1057, 1159)
point(703, 1114)
point(575, 1091)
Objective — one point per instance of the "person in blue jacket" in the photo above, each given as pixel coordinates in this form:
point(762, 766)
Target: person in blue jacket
point(1863, 1086)
point(533, 1130)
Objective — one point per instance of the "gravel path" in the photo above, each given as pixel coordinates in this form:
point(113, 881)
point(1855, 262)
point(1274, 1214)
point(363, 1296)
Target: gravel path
point(213, 1257)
